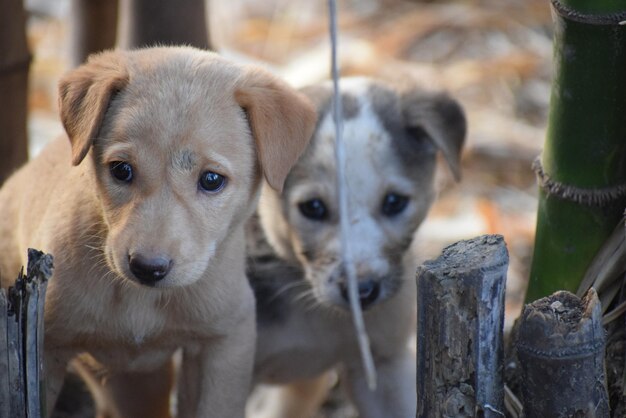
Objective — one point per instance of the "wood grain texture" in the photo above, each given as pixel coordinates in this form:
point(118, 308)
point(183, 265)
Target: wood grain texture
point(22, 391)
point(460, 301)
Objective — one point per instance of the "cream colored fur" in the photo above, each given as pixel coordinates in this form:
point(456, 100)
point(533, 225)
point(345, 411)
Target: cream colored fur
point(172, 113)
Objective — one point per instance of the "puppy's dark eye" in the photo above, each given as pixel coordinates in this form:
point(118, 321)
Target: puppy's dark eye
point(211, 182)
point(314, 209)
point(121, 171)
point(394, 203)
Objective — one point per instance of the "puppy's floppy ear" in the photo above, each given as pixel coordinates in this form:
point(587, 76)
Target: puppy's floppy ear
point(281, 120)
point(84, 95)
point(441, 119)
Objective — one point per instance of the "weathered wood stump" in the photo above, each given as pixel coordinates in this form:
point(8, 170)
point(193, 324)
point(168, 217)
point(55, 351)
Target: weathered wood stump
point(560, 346)
point(21, 341)
point(460, 305)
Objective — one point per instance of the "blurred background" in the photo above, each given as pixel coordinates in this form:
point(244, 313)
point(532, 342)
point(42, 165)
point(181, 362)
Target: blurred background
point(494, 56)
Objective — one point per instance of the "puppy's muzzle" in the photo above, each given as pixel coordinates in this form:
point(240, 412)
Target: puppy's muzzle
point(369, 291)
point(149, 270)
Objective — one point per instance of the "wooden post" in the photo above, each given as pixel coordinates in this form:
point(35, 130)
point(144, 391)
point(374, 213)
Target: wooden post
point(5, 385)
point(162, 22)
point(560, 346)
point(616, 366)
point(616, 358)
point(17, 392)
point(93, 28)
point(21, 341)
point(14, 66)
point(460, 319)
point(94, 25)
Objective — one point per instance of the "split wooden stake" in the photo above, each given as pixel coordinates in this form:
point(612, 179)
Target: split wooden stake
point(460, 319)
point(21, 341)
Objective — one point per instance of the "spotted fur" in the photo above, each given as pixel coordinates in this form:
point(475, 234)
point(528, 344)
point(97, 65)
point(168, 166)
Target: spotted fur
point(391, 139)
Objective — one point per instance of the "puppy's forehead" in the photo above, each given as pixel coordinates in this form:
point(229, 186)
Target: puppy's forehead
point(375, 134)
point(181, 98)
point(356, 93)
point(371, 120)
point(180, 81)
point(183, 62)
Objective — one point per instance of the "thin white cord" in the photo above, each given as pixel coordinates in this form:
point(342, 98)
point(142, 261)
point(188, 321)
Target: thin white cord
point(344, 222)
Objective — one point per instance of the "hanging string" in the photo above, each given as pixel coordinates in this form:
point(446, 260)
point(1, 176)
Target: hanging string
point(344, 222)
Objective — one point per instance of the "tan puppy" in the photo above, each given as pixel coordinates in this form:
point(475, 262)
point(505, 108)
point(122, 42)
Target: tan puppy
point(143, 209)
point(304, 325)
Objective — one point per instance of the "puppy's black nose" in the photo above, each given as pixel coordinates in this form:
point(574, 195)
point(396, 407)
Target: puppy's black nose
point(369, 290)
point(149, 270)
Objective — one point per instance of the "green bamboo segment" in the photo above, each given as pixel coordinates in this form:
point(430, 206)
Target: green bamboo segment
point(582, 173)
point(595, 6)
point(588, 105)
point(563, 251)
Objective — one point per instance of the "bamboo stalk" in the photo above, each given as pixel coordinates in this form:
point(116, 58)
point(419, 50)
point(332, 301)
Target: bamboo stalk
point(595, 6)
point(582, 170)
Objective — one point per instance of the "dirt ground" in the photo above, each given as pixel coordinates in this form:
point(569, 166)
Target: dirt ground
point(495, 56)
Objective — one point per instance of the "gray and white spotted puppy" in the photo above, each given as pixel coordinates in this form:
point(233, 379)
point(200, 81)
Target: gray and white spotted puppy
point(304, 325)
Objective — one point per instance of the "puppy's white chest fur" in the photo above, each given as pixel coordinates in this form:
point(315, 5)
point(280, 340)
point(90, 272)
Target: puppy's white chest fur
point(303, 340)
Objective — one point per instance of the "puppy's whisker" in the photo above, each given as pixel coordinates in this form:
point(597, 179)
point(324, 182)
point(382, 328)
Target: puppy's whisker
point(290, 286)
point(314, 305)
point(306, 296)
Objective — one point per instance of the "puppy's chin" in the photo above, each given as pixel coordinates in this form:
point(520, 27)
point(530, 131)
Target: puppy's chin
point(166, 283)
